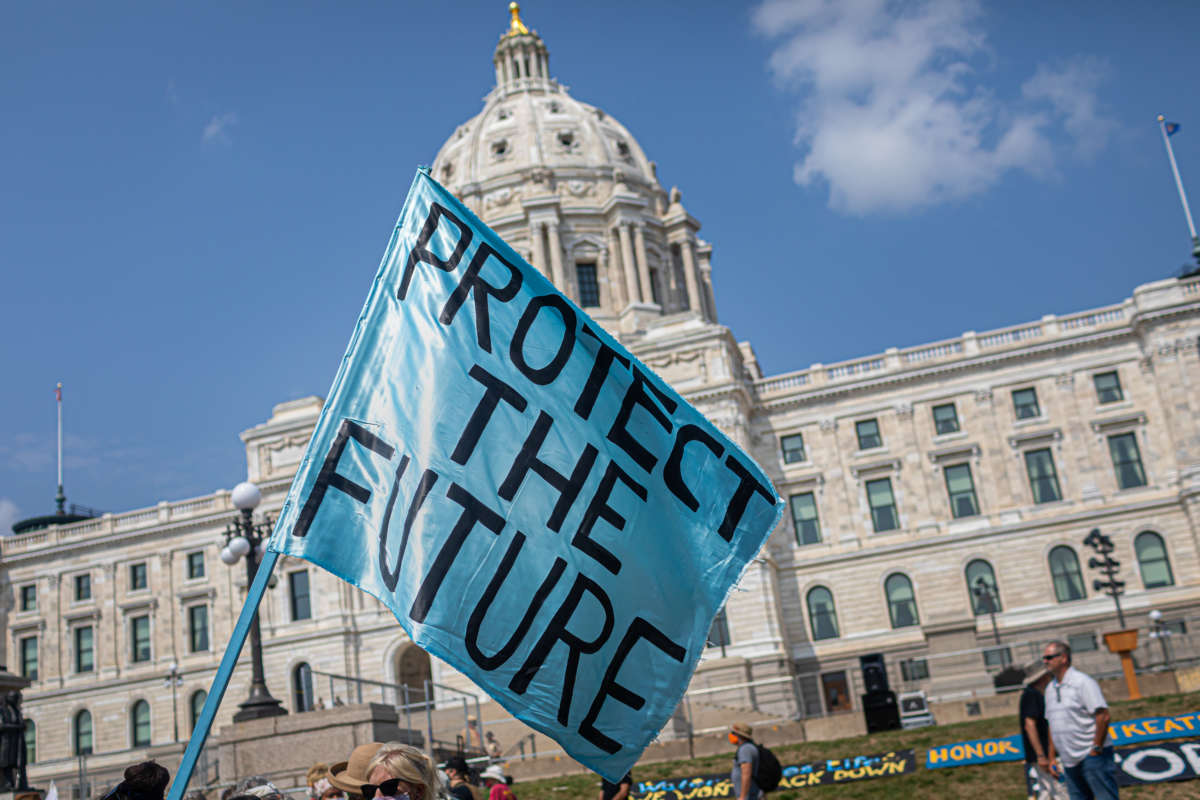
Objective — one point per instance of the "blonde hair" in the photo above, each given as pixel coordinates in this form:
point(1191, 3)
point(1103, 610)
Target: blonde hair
point(316, 772)
point(409, 765)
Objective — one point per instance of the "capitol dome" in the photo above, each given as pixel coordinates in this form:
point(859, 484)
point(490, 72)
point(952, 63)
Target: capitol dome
point(567, 185)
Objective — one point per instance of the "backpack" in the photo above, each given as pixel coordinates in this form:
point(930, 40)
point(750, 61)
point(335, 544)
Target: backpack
point(769, 773)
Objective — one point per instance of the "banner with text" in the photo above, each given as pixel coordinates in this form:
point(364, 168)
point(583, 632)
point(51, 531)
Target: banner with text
point(795, 776)
point(1157, 763)
point(517, 487)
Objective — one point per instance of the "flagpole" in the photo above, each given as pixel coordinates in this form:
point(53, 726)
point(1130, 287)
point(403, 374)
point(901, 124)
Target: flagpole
point(1187, 212)
point(60, 499)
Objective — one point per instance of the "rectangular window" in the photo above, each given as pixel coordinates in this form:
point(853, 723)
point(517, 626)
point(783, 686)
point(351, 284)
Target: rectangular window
point(804, 518)
point(83, 587)
point(198, 628)
point(1108, 387)
point(718, 633)
point(85, 652)
point(961, 488)
point(137, 576)
point(868, 434)
point(1082, 642)
point(1127, 460)
point(1175, 626)
point(792, 447)
point(914, 669)
point(298, 590)
point(195, 565)
point(29, 597)
point(29, 657)
point(945, 418)
point(883, 505)
point(997, 657)
point(1025, 404)
point(1043, 480)
point(139, 638)
point(589, 288)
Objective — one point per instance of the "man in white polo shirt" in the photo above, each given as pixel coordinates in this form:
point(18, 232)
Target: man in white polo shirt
point(1078, 717)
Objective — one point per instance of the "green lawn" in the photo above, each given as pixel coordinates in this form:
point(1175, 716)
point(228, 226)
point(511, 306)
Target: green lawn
point(1004, 781)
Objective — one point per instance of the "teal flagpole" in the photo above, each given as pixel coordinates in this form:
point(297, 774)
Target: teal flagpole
point(224, 672)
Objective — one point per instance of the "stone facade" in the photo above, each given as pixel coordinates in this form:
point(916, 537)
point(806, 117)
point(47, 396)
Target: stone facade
point(571, 188)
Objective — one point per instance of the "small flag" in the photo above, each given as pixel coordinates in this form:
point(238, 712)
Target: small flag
point(1171, 127)
point(58, 393)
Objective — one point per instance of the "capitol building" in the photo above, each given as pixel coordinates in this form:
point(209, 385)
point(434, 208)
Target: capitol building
point(938, 496)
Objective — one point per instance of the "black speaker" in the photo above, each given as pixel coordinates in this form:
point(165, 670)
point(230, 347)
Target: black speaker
point(874, 673)
point(880, 711)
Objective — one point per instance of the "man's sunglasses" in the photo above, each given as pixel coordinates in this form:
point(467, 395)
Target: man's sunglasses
point(1051, 657)
point(387, 788)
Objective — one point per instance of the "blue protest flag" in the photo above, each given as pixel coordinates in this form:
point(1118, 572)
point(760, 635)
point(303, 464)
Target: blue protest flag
point(537, 508)
point(1171, 128)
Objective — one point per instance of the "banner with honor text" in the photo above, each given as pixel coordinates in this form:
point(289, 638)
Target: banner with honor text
point(537, 508)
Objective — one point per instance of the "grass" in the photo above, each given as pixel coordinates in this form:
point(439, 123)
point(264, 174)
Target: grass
point(1001, 781)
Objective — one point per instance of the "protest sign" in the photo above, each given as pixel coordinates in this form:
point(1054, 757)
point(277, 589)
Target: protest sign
point(795, 776)
point(1148, 729)
point(976, 751)
point(536, 507)
point(1169, 761)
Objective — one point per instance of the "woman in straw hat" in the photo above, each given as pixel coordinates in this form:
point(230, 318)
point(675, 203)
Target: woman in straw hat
point(350, 775)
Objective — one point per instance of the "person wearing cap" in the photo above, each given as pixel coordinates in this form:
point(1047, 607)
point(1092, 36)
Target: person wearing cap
point(498, 788)
point(458, 771)
point(350, 775)
point(745, 762)
point(1035, 733)
point(472, 740)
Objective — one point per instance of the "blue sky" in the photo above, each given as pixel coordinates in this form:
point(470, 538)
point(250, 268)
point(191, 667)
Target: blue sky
point(194, 196)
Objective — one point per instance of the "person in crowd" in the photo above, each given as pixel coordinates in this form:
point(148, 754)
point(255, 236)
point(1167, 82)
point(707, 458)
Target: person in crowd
point(458, 771)
point(400, 772)
point(492, 746)
point(147, 780)
point(745, 762)
point(259, 787)
point(350, 775)
point(497, 785)
point(1036, 735)
point(472, 739)
point(1078, 717)
point(616, 791)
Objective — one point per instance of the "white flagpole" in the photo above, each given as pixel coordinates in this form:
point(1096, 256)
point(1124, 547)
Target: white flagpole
point(1187, 212)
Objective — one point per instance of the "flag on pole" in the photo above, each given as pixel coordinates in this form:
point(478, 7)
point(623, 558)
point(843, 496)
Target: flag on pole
point(1171, 128)
point(537, 508)
point(58, 393)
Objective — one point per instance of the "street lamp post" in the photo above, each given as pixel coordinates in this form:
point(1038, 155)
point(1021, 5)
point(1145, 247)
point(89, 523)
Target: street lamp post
point(243, 538)
point(986, 595)
point(1161, 633)
point(174, 679)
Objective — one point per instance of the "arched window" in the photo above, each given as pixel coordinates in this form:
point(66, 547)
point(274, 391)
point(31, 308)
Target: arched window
point(196, 703)
point(1153, 561)
point(82, 729)
point(1064, 570)
point(30, 742)
point(139, 724)
point(902, 603)
point(302, 687)
point(981, 583)
point(822, 615)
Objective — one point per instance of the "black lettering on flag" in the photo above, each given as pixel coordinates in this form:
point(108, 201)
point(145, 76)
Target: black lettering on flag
point(329, 476)
point(556, 632)
point(472, 283)
point(424, 486)
point(636, 395)
point(496, 390)
point(600, 509)
point(600, 368)
point(638, 629)
point(526, 460)
point(516, 351)
point(421, 251)
point(673, 475)
point(473, 512)
point(493, 589)
point(748, 486)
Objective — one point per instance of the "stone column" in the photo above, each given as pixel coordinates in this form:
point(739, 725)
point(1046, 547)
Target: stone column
point(639, 238)
point(539, 247)
point(627, 263)
point(689, 276)
point(556, 265)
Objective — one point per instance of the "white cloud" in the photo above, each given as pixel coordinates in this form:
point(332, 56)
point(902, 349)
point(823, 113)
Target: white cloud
point(9, 513)
point(894, 113)
point(217, 129)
